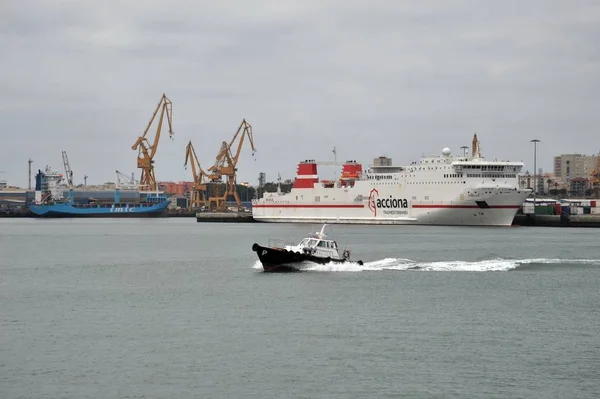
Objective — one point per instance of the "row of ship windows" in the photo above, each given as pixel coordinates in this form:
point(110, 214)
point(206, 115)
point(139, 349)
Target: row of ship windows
point(447, 176)
point(493, 168)
point(438, 182)
point(379, 177)
point(454, 181)
point(493, 176)
point(430, 168)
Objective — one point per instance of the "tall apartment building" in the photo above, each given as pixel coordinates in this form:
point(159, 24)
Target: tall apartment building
point(573, 166)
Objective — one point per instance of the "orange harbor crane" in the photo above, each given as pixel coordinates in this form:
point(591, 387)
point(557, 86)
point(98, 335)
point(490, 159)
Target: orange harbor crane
point(201, 179)
point(226, 165)
point(147, 149)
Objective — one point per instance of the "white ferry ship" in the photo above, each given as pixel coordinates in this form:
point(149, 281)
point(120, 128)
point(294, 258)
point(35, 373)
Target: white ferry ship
point(441, 190)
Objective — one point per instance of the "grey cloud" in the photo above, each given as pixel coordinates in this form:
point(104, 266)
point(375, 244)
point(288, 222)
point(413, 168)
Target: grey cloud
point(401, 78)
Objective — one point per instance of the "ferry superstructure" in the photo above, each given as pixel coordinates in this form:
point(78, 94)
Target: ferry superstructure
point(439, 190)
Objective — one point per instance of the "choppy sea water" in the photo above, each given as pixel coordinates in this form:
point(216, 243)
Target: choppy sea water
point(174, 308)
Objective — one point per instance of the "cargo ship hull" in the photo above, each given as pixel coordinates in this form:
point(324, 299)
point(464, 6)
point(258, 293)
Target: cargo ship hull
point(51, 202)
point(109, 211)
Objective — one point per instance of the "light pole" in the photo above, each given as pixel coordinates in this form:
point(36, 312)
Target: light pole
point(534, 141)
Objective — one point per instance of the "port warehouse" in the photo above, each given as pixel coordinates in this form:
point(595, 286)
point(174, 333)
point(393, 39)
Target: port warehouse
point(22, 198)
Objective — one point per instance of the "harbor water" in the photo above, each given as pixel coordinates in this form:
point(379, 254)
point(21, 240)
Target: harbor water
point(172, 308)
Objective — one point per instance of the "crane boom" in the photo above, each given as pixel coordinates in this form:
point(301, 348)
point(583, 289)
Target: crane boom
point(68, 171)
point(226, 165)
point(146, 149)
point(246, 130)
point(199, 189)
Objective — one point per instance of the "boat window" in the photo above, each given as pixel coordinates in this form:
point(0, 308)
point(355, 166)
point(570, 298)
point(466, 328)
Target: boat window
point(334, 244)
point(321, 244)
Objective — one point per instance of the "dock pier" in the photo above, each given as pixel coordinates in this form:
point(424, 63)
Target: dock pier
point(225, 217)
point(557, 220)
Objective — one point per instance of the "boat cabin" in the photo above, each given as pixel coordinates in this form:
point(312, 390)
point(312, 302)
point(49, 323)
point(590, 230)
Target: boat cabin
point(317, 245)
point(317, 242)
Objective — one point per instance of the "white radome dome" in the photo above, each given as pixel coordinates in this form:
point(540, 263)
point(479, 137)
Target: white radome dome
point(446, 151)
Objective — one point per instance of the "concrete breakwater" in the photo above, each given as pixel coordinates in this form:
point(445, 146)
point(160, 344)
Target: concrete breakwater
point(225, 217)
point(557, 220)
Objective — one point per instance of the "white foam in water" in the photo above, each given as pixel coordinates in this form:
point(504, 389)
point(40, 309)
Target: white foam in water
point(407, 264)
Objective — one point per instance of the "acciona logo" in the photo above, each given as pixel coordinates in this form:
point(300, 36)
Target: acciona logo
point(385, 203)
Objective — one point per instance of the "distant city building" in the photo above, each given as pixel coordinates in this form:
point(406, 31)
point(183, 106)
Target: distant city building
point(545, 181)
point(3, 184)
point(573, 166)
point(579, 186)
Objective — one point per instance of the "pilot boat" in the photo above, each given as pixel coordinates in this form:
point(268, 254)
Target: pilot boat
point(314, 248)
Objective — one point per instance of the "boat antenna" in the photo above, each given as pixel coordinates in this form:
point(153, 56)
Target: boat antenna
point(322, 234)
point(464, 148)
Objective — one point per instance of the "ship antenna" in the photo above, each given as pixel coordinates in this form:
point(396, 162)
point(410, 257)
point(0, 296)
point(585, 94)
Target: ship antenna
point(278, 183)
point(322, 232)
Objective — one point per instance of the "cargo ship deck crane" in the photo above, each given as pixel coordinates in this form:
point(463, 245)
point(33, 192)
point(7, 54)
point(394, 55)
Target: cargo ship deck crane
point(147, 149)
point(68, 170)
point(201, 178)
point(127, 182)
point(226, 164)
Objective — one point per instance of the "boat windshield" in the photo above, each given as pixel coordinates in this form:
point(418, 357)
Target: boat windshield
point(327, 244)
point(312, 242)
point(308, 242)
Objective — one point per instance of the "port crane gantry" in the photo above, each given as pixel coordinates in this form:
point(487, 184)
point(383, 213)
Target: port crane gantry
point(201, 179)
point(147, 149)
point(226, 165)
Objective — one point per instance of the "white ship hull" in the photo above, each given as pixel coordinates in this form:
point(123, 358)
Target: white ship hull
point(497, 209)
point(435, 191)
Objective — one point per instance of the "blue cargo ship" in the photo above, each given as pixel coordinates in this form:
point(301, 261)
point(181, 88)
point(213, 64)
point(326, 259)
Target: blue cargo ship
point(149, 208)
point(51, 203)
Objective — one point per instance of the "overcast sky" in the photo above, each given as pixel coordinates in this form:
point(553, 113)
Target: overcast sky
point(395, 78)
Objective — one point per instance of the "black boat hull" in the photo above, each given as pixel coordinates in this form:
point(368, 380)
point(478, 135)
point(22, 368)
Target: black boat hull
point(282, 260)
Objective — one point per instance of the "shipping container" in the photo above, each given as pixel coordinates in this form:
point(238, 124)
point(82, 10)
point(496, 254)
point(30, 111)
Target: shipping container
point(544, 210)
point(595, 211)
point(586, 210)
point(566, 210)
point(593, 203)
point(557, 209)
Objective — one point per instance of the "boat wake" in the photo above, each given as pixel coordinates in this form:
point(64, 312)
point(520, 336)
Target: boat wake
point(490, 265)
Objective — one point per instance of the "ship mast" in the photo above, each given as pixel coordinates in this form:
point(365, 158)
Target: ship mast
point(475, 152)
